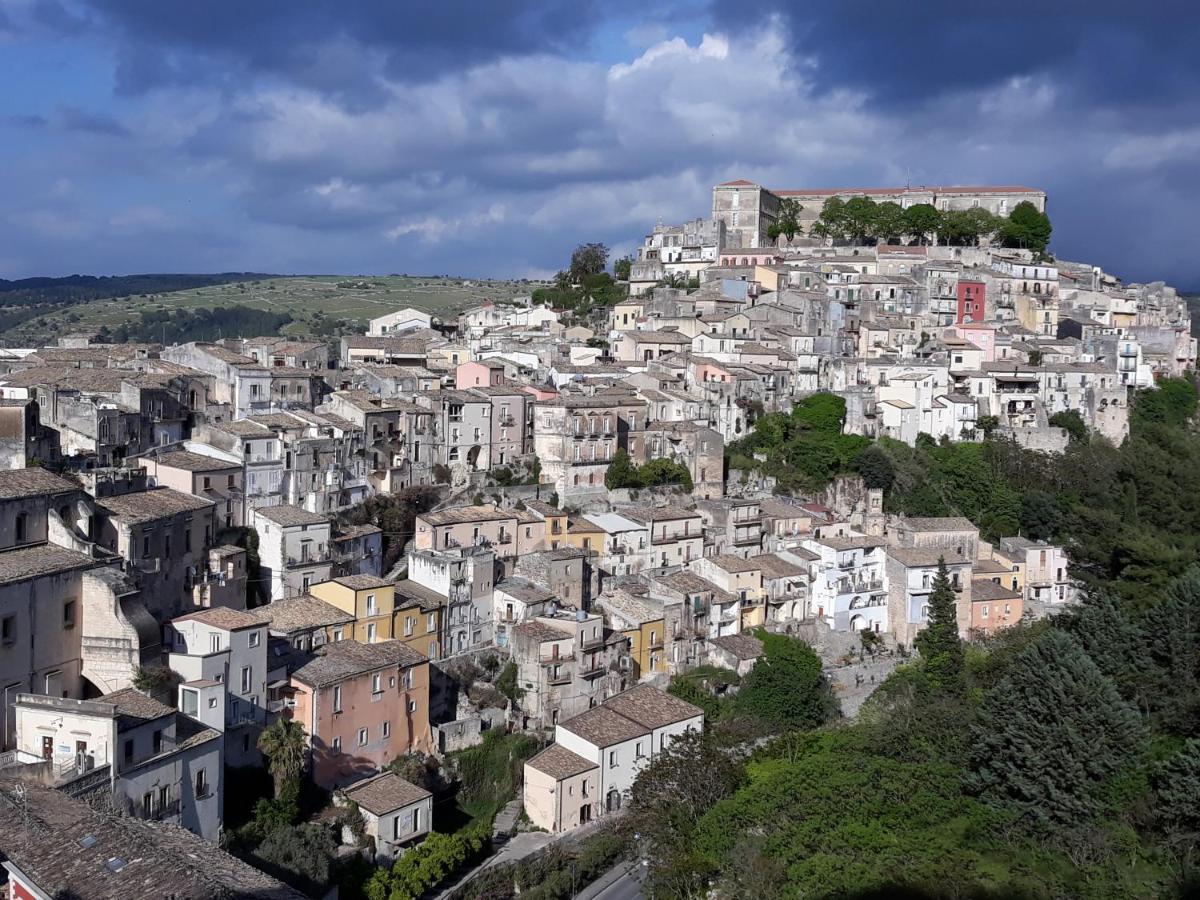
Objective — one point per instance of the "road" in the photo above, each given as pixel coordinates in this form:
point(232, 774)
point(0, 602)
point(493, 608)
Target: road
point(622, 882)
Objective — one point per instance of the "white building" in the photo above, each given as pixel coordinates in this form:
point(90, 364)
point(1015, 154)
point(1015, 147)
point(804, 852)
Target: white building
point(157, 763)
point(294, 549)
point(400, 320)
point(849, 592)
point(598, 754)
point(230, 648)
point(395, 812)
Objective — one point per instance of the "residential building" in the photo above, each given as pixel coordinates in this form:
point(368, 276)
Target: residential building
point(294, 549)
point(370, 600)
point(396, 814)
point(361, 705)
point(850, 592)
point(911, 573)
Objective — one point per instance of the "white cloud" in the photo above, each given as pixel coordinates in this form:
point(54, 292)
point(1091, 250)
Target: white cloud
point(1153, 150)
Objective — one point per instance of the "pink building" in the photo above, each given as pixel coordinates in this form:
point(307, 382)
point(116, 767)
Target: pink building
point(484, 373)
point(980, 334)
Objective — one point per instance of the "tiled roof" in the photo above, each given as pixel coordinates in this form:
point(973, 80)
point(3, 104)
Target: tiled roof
point(852, 542)
point(133, 707)
point(735, 564)
point(64, 846)
point(947, 523)
point(658, 514)
point(288, 516)
point(741, 646)
point(346, 659)
point(145, 506)
point(386, 793)
point(221, 617)
point(541, 632)
point(776, 567)
point(32, 482)
point(300, 613)
point(651, 708)
point(459, 514)
point(409, 592)
point(558, 762)
point(362, 582)
point(41, 559)
point(989, 591)
point(194, 462)
point(924, 556)
point(604, 727)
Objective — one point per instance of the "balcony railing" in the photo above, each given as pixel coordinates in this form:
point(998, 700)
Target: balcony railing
point(594, 670)
point(310, 558)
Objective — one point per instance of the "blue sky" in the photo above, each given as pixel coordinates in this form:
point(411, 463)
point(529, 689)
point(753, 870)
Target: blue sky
point(490, 138)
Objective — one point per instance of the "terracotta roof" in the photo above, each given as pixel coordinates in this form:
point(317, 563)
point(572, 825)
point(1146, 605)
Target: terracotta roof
point(658, 513)
point(946, 523)
point(386, 793)
point(32, 482)
point(541, 632)
point(288, 516)
point(741, 646)
point(604, 727)
point(362, 582)
point(459, 514)
point(346, 659)
point(65, 847)
point(989, 590)
point(194, 462)
point(409, 592)
point(156, 503)
point(221, 617)
point(651, 708)
point(853, 542)
point(300, 613)
point(38, 560)
point(924, 556)
point(133, 707)
point(559, 763)
point(776, 567)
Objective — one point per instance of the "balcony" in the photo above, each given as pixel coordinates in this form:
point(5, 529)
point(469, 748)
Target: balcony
point(594, 669)
point(560, 679)
point(309, 559)
point(593, 643)
point(859, 587)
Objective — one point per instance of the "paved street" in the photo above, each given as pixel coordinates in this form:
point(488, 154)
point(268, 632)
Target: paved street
point(622, 882)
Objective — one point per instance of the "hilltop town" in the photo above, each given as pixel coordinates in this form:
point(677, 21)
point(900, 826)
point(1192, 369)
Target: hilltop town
point(525, 525)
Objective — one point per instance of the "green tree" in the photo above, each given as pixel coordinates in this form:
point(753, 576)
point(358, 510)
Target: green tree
point(428, 864)
point(858, 217)
point(922, 222)
point(1176, 783)
point(832, 221)
point(1171, 402)
point(941, 647)
point(1072, 423)
point(787, 223)
point(621, 472)
point(283, 743)
point(587, 260)
point(1051, 734)
point(622, 267)
point(786, 689)
point(302, 856)
point(889, 222)
point(663, 471)
point(876, 467)
point(988, 425)
point(1026, 227)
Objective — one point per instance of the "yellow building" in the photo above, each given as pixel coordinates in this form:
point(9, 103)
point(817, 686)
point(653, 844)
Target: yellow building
point(369, 599)
point(1014, 570)
point(417, 619)
point(640, 618)
point(584, 534)
point(554, 524)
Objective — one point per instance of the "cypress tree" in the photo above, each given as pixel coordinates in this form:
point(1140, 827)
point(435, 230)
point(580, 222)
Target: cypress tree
point(1051, 733)
point(939, 643)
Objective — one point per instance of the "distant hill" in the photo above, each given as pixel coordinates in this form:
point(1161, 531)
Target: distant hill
point(28, 298)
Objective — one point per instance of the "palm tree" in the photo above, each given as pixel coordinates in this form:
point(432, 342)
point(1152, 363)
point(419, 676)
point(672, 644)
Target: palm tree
point(283, 742)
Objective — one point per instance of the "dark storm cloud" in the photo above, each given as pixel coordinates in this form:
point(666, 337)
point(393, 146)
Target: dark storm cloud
point(331, 45)
point(1108, 52)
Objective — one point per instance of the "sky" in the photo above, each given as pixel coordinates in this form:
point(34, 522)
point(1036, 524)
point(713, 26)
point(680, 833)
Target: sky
point(489, 138)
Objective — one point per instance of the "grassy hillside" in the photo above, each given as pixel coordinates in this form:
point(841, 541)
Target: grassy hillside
point(312, 302)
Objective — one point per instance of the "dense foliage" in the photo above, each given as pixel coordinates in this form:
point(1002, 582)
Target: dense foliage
point(786, 688)
point(622, 473)
point(395, 515)
point(557, 873)
point(427, 864)
point(802, 449)
point(490, 772)
point(861, 220)
point(200, 324)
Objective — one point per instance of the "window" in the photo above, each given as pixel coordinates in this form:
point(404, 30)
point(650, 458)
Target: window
point(246, 679)
point(371, 632)
point(207, 483)
point(362, 737)
point(148, 804)
point(164, 798)
point(337, 698)
point(128, 752)
point(201, 784)
point(409, 624)
point(376, 683)
point(337, 745)
point(412, 706)
point(386, 729)
point(22, 527)
point(214, 643)
point(431, 625)
point(212, 702)
point(638, 750)
point(612, 759)
point(984, 612)
point(254, 639)
point(8, 629)
point(191, 702)
point(372, 605)
point(69, 614)
point(156, 740)
point(337, 635)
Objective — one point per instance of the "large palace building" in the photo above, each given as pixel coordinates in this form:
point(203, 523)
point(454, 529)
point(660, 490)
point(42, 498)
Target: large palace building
point(749, 209)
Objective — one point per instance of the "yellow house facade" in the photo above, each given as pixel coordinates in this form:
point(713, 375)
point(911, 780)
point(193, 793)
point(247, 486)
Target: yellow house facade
point(369, 599)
